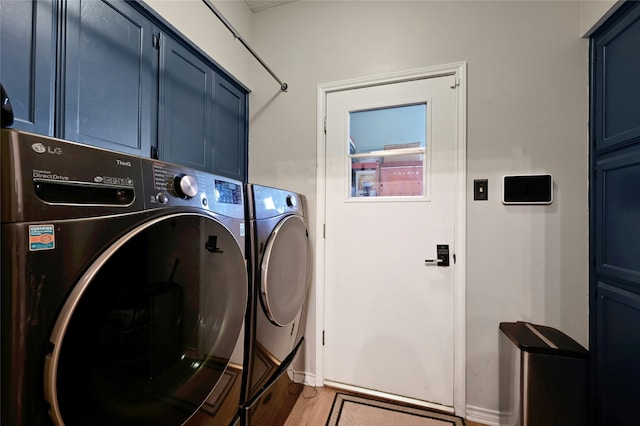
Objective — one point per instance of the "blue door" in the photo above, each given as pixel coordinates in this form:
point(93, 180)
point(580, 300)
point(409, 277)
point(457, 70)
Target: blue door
point(615, 218)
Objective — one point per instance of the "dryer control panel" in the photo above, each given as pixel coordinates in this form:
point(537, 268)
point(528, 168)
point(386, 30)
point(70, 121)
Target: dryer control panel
point(172, 185)
point(271, 202)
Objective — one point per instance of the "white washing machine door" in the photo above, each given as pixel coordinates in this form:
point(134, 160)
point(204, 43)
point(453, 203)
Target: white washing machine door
point(285, 271)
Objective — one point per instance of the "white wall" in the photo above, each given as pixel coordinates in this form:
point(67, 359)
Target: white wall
point(196, 22)
point(594, 12)
point(527, 112)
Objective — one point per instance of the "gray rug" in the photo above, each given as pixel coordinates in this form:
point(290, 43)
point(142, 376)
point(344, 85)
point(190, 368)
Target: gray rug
point(352, 410)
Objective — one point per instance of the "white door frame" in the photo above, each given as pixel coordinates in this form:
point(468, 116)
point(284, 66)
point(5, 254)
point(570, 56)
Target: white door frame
point(458, 73)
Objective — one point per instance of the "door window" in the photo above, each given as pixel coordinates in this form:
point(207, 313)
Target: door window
point(387, 151)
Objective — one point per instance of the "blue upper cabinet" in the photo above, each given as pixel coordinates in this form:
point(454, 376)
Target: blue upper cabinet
point(113, 74)
point(109, 78)
point(202, 113)
point(617, 67)
point(27, 62)
point(229, 129)
point(186, 100)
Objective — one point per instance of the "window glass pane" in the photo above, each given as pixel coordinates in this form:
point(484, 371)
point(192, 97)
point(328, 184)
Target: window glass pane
point(387, 151)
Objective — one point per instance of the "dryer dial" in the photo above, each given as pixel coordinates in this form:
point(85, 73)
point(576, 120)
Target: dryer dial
point(186, 186)
point(291, 201)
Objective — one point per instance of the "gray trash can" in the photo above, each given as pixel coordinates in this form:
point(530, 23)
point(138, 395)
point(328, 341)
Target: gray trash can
point(543, 377)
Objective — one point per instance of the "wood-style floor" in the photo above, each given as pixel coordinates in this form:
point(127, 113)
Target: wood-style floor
point(314, 404)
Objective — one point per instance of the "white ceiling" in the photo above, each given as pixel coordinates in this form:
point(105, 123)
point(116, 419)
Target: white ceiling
point(260, 5)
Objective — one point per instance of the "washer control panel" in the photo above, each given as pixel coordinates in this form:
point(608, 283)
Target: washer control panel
point(172, 185)
point(45, 178)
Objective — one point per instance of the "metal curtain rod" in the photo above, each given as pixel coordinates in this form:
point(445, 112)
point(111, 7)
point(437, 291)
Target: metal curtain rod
point(283, 86)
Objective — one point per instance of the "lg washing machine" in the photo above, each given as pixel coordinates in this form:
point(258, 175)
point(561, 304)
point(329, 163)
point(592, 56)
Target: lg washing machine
point(124, 288)
point(280, 269)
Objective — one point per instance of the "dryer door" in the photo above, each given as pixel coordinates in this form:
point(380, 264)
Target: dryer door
point(285, 271)
point(151, 327)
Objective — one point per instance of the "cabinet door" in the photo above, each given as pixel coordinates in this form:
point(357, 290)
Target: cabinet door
point(617, 287)
point(186, 91)
point(229, 129)
point(109, 62)
point(616, 69)
point(617, 374)
point(614, 327)
point(28, 46)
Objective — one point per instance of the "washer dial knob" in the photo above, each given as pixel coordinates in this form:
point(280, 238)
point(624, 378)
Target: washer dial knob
point(162, 199)
point(186, 186)
point(291, 201)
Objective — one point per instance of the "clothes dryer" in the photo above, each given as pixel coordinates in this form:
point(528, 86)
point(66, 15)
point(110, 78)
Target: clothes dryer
point(124, 288)
point(280, 269)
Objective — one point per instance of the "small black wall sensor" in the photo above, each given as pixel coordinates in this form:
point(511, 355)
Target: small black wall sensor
point(527, 189)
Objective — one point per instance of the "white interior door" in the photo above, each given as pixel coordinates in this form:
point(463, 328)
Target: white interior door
point(389, 314)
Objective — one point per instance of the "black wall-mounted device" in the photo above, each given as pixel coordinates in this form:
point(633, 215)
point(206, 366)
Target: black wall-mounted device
point(480, 189)
point(527, 189)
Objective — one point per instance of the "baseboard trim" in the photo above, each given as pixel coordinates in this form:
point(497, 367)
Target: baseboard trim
point(302, 377)
point(483, 415)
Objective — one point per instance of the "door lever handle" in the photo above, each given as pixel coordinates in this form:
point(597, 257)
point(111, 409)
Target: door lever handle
point(443, 256)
